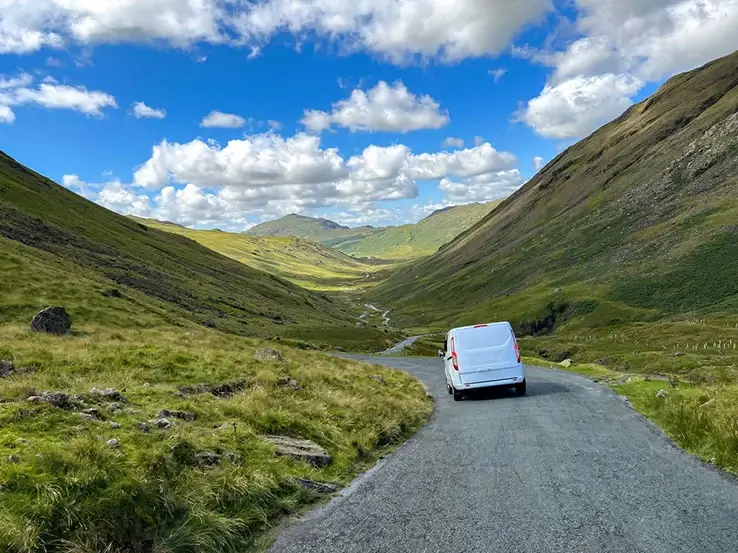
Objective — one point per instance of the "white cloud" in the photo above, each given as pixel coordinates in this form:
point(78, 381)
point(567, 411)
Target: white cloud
point(141, 110)
point(218, 119)
point(18, 90)
point(274, 125)
point(383, 108)
point(6, 115)
point(482, 188)
point(452, 142)
point(578, 106)
point(54, 62)
point(620, 44)
point(497, 74)
point(395, 29)
point(203, 183)
point(538, 163)
point(478, 140)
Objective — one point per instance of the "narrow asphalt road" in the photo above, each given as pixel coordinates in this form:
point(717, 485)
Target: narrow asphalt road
point(568, 468)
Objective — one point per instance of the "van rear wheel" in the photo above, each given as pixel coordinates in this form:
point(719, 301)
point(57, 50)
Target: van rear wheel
point(521, 388)
point(457, 395)
point(449, 389)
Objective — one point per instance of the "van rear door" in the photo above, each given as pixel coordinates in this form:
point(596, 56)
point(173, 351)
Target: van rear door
point(486, 353)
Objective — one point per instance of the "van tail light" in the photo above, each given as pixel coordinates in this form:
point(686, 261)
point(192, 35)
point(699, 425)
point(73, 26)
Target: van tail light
point(517, 348)
point(454, 357)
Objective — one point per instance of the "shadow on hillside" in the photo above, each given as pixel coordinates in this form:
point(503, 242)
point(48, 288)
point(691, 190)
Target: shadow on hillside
point(534, 389)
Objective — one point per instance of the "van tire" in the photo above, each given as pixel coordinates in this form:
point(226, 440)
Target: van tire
point(521, 388)
point(457, 395)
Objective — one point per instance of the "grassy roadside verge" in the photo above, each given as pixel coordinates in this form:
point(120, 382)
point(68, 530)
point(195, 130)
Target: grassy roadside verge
point(207, 484)
point(702, 418)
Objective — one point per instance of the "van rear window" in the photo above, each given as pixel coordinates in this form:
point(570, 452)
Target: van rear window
point(483, 337)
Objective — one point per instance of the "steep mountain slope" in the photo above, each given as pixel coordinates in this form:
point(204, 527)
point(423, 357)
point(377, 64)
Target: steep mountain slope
point(391, 243)
point(304, 263)
point(635, 222)
point(48, 229)
point(322, 231)
point(421, 239)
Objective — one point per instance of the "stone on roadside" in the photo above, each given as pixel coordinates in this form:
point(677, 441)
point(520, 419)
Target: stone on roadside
point(57, 399)
point(267, 354)
point(112, 442)
point(300, 449)
point(108, 393)
point(661, 394)
point(320, 487)
point(52, 320)
point(566, 363)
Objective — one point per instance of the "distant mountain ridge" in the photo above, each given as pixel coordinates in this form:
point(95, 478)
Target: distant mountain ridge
point(394, 243)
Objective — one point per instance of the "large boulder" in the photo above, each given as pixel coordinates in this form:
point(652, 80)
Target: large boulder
point(267, 354)
point(302, 450)
point(52, 320)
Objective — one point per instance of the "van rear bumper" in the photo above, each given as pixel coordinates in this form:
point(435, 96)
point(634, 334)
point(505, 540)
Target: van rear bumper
point(490, 383)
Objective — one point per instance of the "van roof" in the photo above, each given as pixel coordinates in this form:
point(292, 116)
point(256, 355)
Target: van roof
point(480, 325)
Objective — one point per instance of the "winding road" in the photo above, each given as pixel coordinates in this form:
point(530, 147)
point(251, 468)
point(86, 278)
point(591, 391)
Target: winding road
point(569, 468)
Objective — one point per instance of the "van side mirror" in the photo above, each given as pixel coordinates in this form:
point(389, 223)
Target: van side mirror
point(441, 353)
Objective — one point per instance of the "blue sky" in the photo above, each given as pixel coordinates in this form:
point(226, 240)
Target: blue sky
point(342, 111)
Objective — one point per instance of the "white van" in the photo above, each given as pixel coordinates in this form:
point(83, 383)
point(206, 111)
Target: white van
point(482, 356)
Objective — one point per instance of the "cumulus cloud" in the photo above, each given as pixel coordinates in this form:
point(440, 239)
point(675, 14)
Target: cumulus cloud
point(538, 163)
point(16, 91)
point(218, 119)
point(393, 29)
point(452, 142)
point(483, 187)
point(201, 183)
point(389, 108)
point(577, 106)
point(141, 110)
point(622, 44)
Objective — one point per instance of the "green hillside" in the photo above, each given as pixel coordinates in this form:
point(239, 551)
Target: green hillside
point(304, 263)
point(43, 224)
point(636, 222)
point(420, 239)
point(322, 231)
point(388, 243)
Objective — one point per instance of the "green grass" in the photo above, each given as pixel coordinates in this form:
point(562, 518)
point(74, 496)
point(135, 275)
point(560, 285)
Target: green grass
point(299, 261)
point(68, 491)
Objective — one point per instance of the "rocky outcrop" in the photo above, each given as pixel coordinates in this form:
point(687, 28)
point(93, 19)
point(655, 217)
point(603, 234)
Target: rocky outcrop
point(267, 354)
point(300, 449)
point(52, 320)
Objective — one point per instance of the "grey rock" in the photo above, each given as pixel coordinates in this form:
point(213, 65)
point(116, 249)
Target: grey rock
point(267, 354)
point(23, 441)
point(116, 406)
point(300, 449)
point(13, 459)
point(52, 320)
point(115, 425)
point(320, 487)
point(6, 368)
point(182, 415)
point(661, 394)
point(288, 382)
point(112, 442)
point(566, 363)
point(379, 378)
point(207, 458)
point(144, 427)
point(57, 399)
point(93, 411)
point(108, 393)
point(161, 423)
point(234, 458)
point(87, 416)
